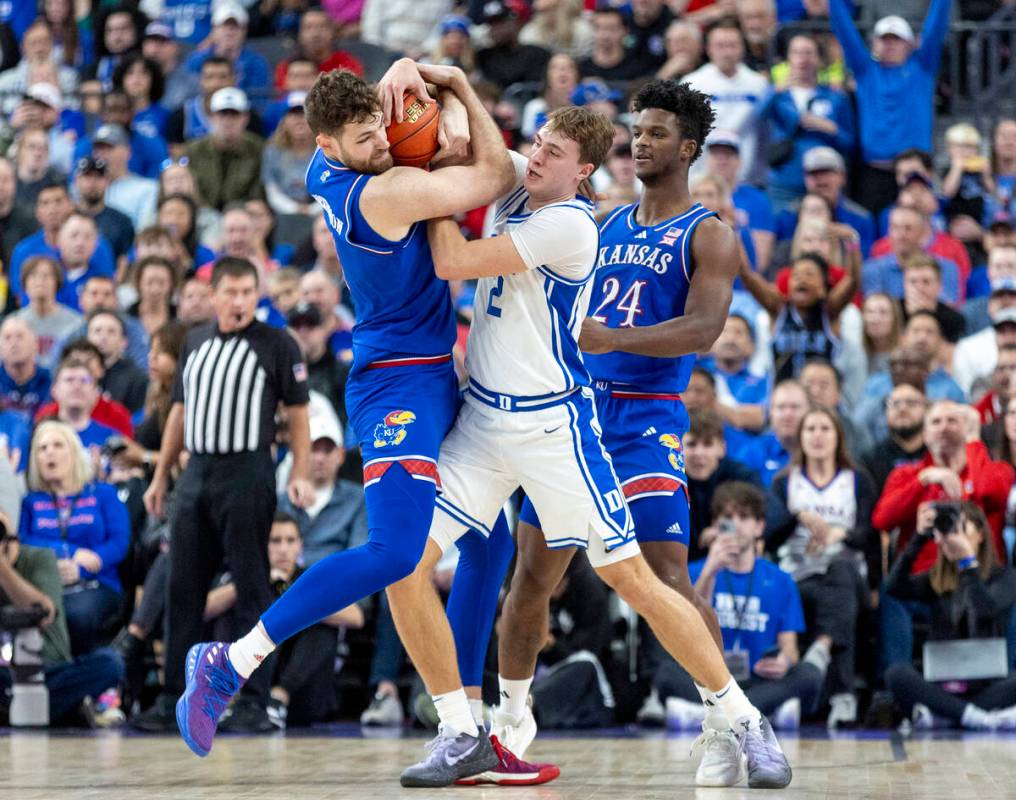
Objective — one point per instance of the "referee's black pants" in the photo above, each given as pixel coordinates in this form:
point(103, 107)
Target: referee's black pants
point(222, 517)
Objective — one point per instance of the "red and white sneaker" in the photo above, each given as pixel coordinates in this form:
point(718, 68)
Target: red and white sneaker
point(512, 771)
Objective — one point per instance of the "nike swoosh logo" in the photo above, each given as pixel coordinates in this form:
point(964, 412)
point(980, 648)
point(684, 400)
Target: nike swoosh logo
point(551, 430)
point(451, 761)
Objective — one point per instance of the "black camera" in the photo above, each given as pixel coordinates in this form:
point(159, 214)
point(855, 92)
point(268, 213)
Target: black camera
point(13, 618)
point(947, 518)
point(114, 446)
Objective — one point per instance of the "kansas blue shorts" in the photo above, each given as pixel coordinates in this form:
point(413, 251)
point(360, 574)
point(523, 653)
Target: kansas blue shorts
point(401, 411)
point(642, 433)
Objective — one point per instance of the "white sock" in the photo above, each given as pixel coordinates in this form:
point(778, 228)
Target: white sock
point(715, 718)
point(246, 654)
point(453, 711)
point(976, 718)
point(818, 656)
point(735, 706)
point(514, 695)
point(476, 709)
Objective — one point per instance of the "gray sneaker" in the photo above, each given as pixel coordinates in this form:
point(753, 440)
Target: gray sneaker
point(450, 758)
point(384, 710)
point(767, 766)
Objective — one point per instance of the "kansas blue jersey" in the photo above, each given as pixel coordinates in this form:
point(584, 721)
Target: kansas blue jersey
point(642, 278)
point(402, 308)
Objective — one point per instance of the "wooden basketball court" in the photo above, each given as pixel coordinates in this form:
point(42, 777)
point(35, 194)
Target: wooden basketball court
point(341, 764)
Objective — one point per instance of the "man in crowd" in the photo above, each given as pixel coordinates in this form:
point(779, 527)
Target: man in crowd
point(922, 288)
point(325, 373)
point(160, 46)
point(804, 115)
point(610, 59)
point(52, 209)
point(78, 242)
point(123, 381)
point(91, 184)
point(991, 407)
point(337, 520)
point(822, 382)
point(16, 219)
point(506, 61)
point(904, 413)
point(29, 577)
point(751, 204)
point(194, 118)
point(1001, 278)
point(24, 385)
point(99, 291)
point(825, 174)
point(741, 393)
point(130, 194)
point(229, 40)
point(975, 356)
point(315, 42)
point(50, 321)
point(76, 391)
point(736, 90)
point(757, 19)
point(895, 90)
point(227, 162)
point(771, 452)
point(707, 465)
point(649, 22)
point(956, 467)
point(909, 231)
point(319, 289)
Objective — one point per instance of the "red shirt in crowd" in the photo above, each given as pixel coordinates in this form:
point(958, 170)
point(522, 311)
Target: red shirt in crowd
point(989, 407)
point(340, 59)
point(942, 245)
point(106, 412)
point(985, 483)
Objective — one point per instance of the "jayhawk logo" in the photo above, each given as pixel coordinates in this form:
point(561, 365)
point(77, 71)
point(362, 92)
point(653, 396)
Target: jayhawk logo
point(393, 430)
point(676, 455)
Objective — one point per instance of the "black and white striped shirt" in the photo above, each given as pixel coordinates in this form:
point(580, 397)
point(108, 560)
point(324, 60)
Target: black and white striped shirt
point(230, 385)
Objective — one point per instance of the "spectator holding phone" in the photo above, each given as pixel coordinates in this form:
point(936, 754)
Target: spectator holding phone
point(971, 595)
point(759, 612)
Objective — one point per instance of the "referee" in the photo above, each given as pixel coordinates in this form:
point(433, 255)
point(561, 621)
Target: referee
point(232, 375)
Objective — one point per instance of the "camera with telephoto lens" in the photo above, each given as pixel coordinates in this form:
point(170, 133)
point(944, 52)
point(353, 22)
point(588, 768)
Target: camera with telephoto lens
point(29, 695)
point(947, 518)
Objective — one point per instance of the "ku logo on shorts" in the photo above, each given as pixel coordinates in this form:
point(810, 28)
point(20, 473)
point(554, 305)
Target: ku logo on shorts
point(393, 430)
point(676, 455)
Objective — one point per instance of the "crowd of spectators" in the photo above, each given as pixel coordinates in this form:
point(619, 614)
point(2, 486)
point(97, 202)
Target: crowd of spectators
point(863, 377)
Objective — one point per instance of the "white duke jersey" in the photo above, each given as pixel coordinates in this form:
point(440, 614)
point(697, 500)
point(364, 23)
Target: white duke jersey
point(523, 341)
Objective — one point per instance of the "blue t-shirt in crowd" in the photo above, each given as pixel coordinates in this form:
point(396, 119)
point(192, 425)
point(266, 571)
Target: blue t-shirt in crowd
point(753, 608)
point(765, 455)
point(19, 14)
point(102, 262)
point(846, 211)
point(96, 434)
point(191, 20)
point(148, 153)
point(884, 274)
point(252, 73)
point(754, 211)
point(24, 397)
point(16, 434)
point(95, 519)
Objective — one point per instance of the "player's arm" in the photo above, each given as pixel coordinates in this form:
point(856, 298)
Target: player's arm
point(393, 201)
point(715, 250)
point(456, 258)
point(843, 292)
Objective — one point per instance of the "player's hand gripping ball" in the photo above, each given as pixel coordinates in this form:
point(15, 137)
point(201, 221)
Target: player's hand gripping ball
point(413, 142)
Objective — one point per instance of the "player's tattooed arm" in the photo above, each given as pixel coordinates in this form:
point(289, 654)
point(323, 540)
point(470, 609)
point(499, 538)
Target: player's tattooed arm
point(715, 253)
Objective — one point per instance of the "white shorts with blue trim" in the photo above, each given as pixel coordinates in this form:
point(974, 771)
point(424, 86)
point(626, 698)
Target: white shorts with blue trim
point(555, 455)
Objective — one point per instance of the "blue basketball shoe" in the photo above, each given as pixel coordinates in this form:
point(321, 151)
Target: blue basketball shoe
point(211, 683)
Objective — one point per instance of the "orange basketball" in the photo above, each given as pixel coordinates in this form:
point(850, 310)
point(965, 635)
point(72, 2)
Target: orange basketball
point(414, 140)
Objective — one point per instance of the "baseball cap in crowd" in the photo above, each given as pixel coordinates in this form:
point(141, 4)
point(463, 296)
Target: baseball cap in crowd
point(724, 139)
point(894, 26)
point(823, 158)
point(916, 177)
point(501, 9)
point(158, 30)
point(455, 22)
point(90, 164)
point(111, 134)
point(1005, 316)
point(325, 426)
point(224, 12)
point(1004, 285)
point(229, 99)
point(295, 100)
point(45, 93)
point(593, 90)
point(304, 314)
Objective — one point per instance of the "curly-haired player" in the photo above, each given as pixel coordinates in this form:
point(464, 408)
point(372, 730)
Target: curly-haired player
point(664, 276)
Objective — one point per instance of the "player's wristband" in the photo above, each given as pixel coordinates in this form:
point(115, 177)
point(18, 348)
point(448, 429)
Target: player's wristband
point(964, 564)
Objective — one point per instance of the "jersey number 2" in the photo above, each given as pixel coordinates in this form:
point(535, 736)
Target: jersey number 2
point(495, 292)
point(629, 302)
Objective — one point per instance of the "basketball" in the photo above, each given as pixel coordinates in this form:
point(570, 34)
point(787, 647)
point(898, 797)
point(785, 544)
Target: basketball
point(414, 140)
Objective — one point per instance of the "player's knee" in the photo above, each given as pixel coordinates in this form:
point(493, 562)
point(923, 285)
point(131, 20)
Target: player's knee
point(628, 578)
point(531, 585)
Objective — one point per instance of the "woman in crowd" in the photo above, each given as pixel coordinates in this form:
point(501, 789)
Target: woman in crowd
point(268, 255)
point(683, 42)
point(820, 531)
point(142, 81)
point(51, 320)
point(561, 26)
point(970, 596)
point(175, 177)
point(806, 322)
point(155, 279)
point(882, 318)
point(178, 215)
point(73, 45)
point(561, 80)
point(83, 522)
point(1003, 167)
point(284, 164)
point(454, 48)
